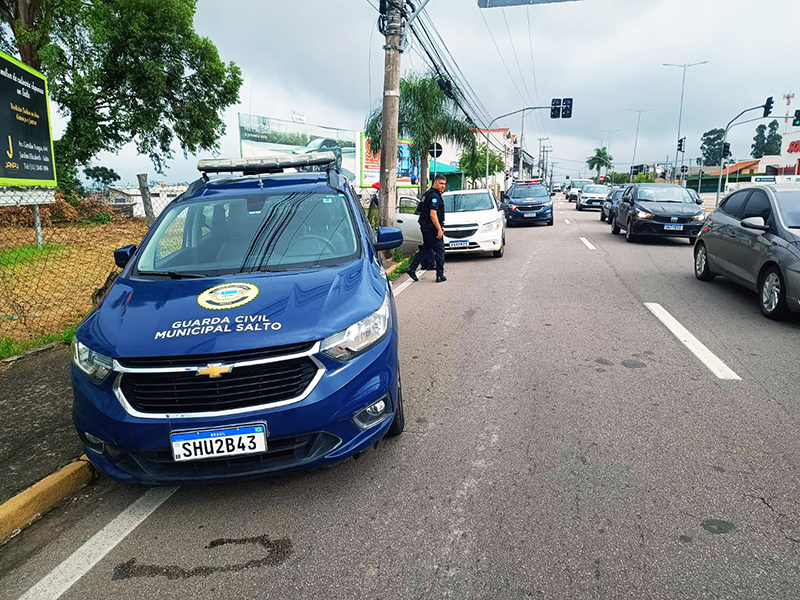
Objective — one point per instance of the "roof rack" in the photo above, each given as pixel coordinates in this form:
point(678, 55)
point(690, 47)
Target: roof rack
point(273, 164)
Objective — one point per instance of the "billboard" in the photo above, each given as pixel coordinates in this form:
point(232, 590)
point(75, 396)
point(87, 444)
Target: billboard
point(407, 165)
point(26, 138)
point(265, 137)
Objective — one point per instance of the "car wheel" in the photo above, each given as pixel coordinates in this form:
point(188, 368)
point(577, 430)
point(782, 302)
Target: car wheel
point(578, 206)
point(550, 222)
point(499, 253)
point(772, 294)
point(509, 224)
point(701, 270)
point(399, 420)
point(602, 215)
point(614, 226)
point(629, 237)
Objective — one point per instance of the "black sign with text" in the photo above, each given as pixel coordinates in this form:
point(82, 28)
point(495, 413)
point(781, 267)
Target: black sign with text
point(26, 140)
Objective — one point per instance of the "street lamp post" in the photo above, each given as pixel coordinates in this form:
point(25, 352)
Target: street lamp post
point(489, 129)
point(636, 138)
point(610, 133)
point(680, 112)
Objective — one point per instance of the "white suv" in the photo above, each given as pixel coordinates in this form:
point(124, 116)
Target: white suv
point(473, 222)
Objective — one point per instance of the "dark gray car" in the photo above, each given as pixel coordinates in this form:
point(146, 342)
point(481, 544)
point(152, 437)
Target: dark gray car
point(753, 238)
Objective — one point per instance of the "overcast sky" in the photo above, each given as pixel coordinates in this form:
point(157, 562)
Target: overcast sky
point(320, 56)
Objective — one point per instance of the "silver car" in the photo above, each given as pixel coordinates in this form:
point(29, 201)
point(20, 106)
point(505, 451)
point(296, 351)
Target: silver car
point(591, 196)
point(753, 238)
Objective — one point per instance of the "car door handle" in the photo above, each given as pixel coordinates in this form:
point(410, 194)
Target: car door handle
point(399, 221)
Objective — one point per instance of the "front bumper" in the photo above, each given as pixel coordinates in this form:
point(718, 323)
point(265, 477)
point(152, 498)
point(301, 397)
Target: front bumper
point(592, 202)
point(312, 432)
point(478, 242)
point(520, 216)
point(648, 227)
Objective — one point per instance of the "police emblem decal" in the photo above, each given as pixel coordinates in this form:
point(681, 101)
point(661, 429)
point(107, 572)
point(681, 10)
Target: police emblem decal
point(227, 295)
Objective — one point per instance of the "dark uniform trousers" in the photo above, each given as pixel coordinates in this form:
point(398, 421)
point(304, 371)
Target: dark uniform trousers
point(432, 251)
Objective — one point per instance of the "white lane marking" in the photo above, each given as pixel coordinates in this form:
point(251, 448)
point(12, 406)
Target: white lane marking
point(708, 358)
point(566, 221)
point(405, 284)
point(561, 212)
point(587, 243)
point(60, 579)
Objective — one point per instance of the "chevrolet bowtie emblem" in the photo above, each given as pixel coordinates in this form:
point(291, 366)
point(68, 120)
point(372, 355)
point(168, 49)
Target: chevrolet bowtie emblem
point(215, 370)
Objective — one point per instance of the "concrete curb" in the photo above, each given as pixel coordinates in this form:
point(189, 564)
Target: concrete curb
point(29, 505)
point(31, 352)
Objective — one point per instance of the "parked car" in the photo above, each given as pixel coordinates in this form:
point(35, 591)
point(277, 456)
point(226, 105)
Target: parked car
point(474, 222)
point(753, 238)
point(253, 331)
point(657, 210)
point(610, 203)
point(528, 204)
point(591, 196)
point(574, 187)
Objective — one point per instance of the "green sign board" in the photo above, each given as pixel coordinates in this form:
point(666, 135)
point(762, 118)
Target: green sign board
point(26, 139)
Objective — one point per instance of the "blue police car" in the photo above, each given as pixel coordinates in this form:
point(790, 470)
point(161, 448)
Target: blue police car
point(253, 331)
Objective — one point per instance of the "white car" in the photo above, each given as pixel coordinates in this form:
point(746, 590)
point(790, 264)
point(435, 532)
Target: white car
point(473, 222)
point(591, 196)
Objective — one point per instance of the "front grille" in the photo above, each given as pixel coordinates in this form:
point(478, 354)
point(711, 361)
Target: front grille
point(460, 233)
point(668, 219)
point(190, 360)
point(530, 207)
point(244, 386)
point(281, 453)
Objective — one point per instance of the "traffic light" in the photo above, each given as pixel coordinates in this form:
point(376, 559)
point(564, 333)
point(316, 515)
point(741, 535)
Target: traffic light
point(555, 108)
point(796, 122)
point(680, 144)
point(566, 110)
point(768, 106)
point(726, 149)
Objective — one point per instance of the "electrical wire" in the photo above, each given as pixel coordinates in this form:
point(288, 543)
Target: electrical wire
point(516, 58)
point(533, 70)
point(500, 54)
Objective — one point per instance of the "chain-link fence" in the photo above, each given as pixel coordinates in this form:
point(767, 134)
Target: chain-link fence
point(53, 263)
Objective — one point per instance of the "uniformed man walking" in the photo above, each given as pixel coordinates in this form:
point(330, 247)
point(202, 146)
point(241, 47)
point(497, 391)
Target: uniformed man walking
point(431, 222)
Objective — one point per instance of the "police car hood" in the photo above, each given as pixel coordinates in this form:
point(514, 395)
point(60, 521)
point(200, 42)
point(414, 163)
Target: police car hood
point(141, 318)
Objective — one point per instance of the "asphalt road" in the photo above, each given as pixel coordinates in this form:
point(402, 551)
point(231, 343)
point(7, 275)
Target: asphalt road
point(560, 443)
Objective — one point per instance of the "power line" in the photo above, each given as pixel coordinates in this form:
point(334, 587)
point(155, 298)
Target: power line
point(500, 54)
point(533, 69)
point(514, 50)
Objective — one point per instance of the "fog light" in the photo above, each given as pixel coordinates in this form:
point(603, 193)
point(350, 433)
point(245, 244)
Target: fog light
point(94, 443)
point(372, 415)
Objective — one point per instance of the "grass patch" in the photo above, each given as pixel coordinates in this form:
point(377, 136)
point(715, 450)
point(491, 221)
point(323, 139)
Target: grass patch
point(12, 347)
point(401, 266)
point(29, 253)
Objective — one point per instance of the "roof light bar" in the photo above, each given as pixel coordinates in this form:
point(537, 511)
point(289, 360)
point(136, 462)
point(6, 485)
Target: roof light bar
point(273, 164)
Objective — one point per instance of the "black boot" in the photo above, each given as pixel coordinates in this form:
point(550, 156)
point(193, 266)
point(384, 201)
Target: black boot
point(411, 274)
point(440, 279)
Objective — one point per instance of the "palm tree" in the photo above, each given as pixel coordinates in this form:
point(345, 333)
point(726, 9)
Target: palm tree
point(600, 159)
point(426, 115)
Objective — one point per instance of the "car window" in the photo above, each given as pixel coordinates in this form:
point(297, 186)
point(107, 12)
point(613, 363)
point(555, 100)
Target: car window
point(663, 193)
point(595, 189)
point(734, 203)
point(467, 202)
point(789, 206)
point(757, 206)
point(408, 206)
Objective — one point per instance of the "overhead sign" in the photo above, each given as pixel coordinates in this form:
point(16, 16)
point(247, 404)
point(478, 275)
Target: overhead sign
point(298, 117)
point(499, 3)
point(26, 139)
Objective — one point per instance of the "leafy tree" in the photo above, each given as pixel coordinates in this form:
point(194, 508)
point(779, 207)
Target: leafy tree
point(600, 159)
point(774, 140)
point(614, 178)
point(426, 115)
point(643, 178)
point(711, 146)
point(473, 164)
point(759, 142)
point(123, 71)
point(102, 177)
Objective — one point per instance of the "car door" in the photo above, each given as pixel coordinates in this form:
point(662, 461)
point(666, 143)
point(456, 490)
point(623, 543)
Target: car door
point(407, 219)
point(624, 207)
point(721, 243)
point(501, 214)
point(750, 248)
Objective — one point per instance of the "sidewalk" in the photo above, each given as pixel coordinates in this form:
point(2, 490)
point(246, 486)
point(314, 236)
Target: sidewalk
point(36, 408)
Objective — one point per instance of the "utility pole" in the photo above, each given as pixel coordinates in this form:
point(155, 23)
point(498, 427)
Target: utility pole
point(521, 148)
point(552, 169)
point(636, 139)
point(683, 87)
point(391, 107)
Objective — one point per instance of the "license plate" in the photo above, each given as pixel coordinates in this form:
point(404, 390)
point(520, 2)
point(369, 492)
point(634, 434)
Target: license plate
point(459, 244)
point(531, 214)
point(673, 227)
point(215, 443)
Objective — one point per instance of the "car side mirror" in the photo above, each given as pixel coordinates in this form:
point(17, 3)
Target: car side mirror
point(552, 194)
point(122, 256)
point(755, 223)
point(388, 238)
point(699, 201)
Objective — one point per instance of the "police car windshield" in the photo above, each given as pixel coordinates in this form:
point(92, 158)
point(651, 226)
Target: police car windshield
point(529, 191)
point(254, 233)
point(467, 202)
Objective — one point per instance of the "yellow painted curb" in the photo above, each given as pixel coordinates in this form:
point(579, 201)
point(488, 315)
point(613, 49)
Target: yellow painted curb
point(392, 269)
point(27, 506)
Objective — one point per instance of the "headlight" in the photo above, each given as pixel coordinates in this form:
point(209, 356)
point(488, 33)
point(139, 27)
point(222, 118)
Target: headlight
point(493, 226)
point(642, 214)
point(93, 364)
point(360, 336)
point(700, 217)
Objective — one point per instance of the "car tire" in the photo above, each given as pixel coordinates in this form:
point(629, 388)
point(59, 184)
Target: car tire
point(772, 294)
point(701, 269)
point(509, 224)
point(602, 215)
point(629, 237)
point(550, 222)
point(578, 206)
point(614, 226)
point(499, 253)
point(399, 419)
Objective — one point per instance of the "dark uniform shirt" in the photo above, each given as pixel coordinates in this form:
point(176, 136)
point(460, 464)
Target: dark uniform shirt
point(432, 200)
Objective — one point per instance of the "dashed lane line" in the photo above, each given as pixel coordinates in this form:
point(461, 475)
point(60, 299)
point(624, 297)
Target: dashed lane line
point(587, 243)
point(566, 221)
point(708, 358)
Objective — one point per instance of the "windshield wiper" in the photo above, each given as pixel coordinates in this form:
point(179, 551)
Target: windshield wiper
point(175, 274)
